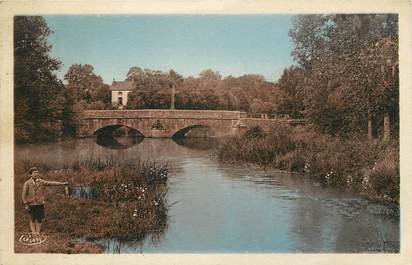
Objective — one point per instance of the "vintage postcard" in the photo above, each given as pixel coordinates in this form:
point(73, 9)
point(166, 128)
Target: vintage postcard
point(205, 132)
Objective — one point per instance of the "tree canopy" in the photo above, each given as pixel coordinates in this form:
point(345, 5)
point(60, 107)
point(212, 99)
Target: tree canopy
point(251, 93)
point(349, 64)
point(39, 97)
point(86, 88)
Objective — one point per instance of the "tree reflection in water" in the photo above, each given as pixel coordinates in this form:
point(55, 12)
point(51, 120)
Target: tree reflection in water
point(118, 142)
point(118, 137)
point(197, 138)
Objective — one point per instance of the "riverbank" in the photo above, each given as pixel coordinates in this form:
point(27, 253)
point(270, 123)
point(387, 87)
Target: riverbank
point(124, 201)
point(369, 168)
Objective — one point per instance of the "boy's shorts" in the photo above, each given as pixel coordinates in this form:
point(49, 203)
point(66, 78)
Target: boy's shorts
point(36, 212)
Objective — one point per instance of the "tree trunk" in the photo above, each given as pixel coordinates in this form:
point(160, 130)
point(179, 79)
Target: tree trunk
point(370, 135)
point(386, 127)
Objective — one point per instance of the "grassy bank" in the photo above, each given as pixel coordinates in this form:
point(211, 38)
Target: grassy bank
point(126, 202)
point(367, 167)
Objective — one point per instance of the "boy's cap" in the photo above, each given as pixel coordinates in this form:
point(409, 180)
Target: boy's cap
point(32, 169)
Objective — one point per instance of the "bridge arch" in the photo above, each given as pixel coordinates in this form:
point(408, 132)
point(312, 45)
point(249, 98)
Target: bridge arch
point(107, 130)
point(182, 132)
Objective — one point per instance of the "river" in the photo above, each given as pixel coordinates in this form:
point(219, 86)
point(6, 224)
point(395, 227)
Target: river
point(221, 207)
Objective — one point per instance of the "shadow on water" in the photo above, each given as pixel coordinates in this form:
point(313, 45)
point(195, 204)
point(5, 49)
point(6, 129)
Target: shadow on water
point(196, 137)
point(118, 137)
point(112, 142)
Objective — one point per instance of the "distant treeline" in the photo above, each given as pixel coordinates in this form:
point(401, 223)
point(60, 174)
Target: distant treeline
point(250, 93)
point(345, 81)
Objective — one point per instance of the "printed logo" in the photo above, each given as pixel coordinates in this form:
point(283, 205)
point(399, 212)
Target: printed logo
point(32, 240)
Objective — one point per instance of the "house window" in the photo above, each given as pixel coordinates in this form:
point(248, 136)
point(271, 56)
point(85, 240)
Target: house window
point(120, 100)
point(120, 93)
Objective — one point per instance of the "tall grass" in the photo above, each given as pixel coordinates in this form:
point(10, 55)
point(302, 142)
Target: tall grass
point(356, 164)
point(128, 203)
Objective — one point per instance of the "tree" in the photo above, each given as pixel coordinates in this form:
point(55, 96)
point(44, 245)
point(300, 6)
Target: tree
point(309, 33)
point(134, 73)
point(207, 91)
point(385, 92)
point(239, 93)
point(197, 93)
point(39, 98)
point(84, 85)
point(348, 80)
point(290, 97)
point(152, 89)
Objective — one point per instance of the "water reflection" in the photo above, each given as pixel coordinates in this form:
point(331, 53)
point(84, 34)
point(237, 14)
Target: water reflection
point(195, 131)
point(82, 192)
point(239, 208)
point(112, 142)
point(205, 143)
point(324, 220)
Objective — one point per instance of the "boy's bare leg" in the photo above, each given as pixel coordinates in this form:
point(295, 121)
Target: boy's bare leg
point(38, 227)
point(32, 227)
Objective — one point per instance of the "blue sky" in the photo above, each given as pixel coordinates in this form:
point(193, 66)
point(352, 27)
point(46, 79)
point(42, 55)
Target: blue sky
point(230, 44)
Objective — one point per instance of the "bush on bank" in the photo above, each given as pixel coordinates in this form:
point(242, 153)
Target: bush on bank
point(355, 164)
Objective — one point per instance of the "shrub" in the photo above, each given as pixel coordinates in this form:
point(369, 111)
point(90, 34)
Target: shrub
point(384, 177)
point(350, 163)
point(292, 161)
point(254, 133)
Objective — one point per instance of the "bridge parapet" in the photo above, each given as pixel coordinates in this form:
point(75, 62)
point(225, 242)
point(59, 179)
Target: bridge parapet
point(168, 123)
point(162, 114)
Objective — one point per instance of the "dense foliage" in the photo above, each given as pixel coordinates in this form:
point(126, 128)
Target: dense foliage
point(39, 97)
point(153, 89)
point(346, 80)
point(85, 91)
point(251, 93)
point(86, 88)
point(45, 109)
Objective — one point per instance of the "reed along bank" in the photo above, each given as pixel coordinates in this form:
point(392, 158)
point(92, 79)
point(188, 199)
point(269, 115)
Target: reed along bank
point(106, 199)
point(355, 164)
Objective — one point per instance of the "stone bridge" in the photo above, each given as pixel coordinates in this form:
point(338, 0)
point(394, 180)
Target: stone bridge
point(170, 123)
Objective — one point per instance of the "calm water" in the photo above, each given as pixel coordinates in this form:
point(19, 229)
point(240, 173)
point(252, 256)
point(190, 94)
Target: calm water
point(238, 208)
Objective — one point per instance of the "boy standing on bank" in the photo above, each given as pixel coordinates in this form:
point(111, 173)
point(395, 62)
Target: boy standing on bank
point(33, 198)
